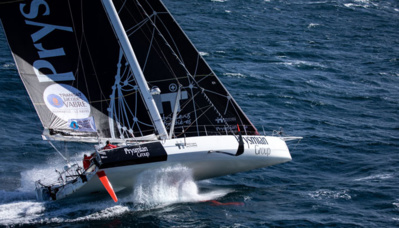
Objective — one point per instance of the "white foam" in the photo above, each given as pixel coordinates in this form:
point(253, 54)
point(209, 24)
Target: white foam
point(167, 186)
point(20, 212)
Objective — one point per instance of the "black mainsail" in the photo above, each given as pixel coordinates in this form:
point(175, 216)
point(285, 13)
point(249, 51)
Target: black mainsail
point(82, 86)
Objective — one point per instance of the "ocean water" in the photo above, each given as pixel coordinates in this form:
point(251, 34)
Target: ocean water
point(327, 70)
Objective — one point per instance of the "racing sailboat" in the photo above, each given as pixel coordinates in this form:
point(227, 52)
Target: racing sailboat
point(124, 71)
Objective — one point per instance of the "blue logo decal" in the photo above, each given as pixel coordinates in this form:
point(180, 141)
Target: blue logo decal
point(55, 100)
point(74, 125)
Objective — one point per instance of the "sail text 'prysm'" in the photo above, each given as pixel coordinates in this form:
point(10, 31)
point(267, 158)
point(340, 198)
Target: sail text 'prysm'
point(44, 30)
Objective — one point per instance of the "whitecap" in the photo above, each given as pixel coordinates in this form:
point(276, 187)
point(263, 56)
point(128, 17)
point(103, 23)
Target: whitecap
point(8, 65)
point(204, 53)
point(375, 177)
point(328, 194)
point(299, 63)
point(235, 75)
point(312, 25)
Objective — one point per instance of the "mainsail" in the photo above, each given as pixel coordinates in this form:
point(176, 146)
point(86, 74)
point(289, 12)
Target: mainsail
point(83, 88)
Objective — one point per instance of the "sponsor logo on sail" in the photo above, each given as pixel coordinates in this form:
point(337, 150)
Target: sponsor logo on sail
point(74, 125)
point(66, 102)
point(33, 12)
point(55, 100)
point(86, 124)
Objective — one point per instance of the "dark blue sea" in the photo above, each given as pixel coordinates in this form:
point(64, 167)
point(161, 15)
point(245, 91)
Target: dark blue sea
point(326, 70)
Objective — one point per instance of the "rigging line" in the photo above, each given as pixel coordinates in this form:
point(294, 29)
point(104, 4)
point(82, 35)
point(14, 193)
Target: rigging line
point(168, 79)
point(199, 109)
point(79, 44)
point(125, 110)
point(196, 65)
point(210, 121)
point(131, 113)
point(235, 106)
point(126, 95)
point(182, 106)
point(88, 51)
point(164, 39)
point(216, 110)
point(111, 118)
point(171, 37)
point(194, 122)
point(141, 122)
point(195, 111)
point(118, 113)
point(139, 24)
point(123, 5)
point(149, 48)
point(242, 123)
point(126, 73)
point(135, 104)
point(227, 106)
point(136, 27)
point(57, 150)
point(166, 28)
point(204, 77)
point(210, 91)
point(136, 122)
point(13, 1)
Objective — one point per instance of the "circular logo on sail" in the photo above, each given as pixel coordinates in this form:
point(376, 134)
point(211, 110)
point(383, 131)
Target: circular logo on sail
point(66, 102)
point(55, 101)
point(172, 87)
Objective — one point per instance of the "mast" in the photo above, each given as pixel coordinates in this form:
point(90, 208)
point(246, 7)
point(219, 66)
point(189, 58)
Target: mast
point(132, 60)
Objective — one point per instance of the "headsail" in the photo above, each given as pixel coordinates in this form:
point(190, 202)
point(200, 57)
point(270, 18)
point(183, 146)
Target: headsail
point(83, 88)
